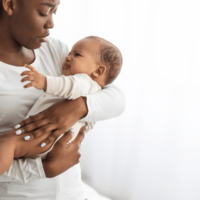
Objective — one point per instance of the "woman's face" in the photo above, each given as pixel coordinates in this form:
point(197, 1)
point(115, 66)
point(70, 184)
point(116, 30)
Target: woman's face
point(31, 22)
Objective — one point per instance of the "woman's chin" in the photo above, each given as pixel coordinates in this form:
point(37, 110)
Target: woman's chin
point(34, 45)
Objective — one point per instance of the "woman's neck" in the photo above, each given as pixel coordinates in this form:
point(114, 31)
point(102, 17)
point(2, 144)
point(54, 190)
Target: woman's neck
point(7, 43)
point(11, 52)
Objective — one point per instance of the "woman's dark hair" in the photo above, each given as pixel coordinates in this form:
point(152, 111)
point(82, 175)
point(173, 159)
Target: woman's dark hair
point(110, 56)
point(1, 7)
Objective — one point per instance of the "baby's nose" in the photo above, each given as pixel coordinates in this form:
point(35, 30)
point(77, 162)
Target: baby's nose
point(69, 58)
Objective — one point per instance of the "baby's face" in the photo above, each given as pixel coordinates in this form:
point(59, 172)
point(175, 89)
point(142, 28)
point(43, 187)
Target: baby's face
point(82, 58)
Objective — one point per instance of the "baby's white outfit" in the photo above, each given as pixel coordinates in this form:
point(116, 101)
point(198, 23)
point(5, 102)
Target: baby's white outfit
point(65, 87)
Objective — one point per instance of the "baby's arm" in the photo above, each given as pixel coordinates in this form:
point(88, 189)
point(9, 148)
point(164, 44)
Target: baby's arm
point(69, 87)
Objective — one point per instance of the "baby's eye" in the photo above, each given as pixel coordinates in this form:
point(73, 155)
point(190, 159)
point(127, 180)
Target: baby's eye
point(77, 54)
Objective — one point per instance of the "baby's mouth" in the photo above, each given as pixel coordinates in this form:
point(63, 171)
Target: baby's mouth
point(66, 65)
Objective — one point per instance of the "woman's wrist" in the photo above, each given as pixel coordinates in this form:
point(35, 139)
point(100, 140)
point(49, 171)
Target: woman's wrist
point(48, 169)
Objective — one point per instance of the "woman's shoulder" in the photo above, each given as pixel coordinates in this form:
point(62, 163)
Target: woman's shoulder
point(54, 49)
point(57, 44)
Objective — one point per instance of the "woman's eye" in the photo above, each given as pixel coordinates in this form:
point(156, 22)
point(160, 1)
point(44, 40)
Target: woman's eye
point(43, 15)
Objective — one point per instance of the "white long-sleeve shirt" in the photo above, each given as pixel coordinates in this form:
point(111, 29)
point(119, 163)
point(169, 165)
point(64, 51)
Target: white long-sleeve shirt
point(65, 87)
point(16, 102)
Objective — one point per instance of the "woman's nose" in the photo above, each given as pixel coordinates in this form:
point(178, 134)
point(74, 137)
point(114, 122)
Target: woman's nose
point(49, 24)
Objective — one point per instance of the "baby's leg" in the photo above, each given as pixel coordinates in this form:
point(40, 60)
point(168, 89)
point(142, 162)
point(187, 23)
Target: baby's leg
point(6, 155)
point(13, 146)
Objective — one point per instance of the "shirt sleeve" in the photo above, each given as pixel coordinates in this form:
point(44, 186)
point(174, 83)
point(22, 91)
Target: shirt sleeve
point(24, 170)
point(71, 87)
point(105, 104)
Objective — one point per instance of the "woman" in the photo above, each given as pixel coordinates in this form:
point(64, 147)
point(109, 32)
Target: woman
point(23, 26)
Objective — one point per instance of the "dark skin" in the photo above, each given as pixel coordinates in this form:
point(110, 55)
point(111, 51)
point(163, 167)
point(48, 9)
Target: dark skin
point(22, 27)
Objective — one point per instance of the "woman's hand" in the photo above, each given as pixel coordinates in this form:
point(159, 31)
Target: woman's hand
point(63, 155)
point(57, 118)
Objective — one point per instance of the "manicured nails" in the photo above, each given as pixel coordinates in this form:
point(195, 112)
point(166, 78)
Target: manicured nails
point(17, 126)
point(68, 143)
point(18, 132)
point(43, 144)
point(27, 137)
point(86, 127)
point(71, 130)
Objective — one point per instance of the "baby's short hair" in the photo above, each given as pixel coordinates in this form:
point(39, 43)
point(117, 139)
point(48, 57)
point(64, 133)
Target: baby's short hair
point(111, 57)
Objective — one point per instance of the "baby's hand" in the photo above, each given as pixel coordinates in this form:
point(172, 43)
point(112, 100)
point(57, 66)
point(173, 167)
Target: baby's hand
point(36, 79)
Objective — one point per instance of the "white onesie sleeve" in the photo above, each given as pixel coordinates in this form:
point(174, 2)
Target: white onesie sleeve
point(24, 170)
point(71, 87)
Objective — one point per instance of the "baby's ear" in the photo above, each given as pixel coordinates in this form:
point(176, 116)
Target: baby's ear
point(99, 71)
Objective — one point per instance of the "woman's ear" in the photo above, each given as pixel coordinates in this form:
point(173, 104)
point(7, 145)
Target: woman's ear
point(9, 6)
point(99, 71)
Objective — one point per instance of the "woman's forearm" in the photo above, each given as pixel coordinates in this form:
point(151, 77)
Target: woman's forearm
point(82, 109)
point(105, 104)
point(48, 170)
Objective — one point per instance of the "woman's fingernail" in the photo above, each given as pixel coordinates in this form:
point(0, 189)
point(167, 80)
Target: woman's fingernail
point(18, 132)
point(86, 127)
point(71, 130)
point(31, 115)
point(43, 144)
point(27, 137)
point(17, 126)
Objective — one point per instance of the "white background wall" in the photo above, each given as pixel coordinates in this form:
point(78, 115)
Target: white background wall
point(152, 151)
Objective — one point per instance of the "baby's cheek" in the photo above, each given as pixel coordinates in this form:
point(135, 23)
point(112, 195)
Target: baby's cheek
point(81, 69)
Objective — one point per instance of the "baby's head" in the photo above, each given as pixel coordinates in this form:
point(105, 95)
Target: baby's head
point(96, 57)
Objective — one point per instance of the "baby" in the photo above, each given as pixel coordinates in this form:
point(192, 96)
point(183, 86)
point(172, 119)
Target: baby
point(92, 63)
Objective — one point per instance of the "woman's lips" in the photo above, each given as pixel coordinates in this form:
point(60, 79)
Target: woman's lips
point(43, 39)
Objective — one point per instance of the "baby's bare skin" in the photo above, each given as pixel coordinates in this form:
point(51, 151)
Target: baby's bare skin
point(23, 148)
point(16, 147)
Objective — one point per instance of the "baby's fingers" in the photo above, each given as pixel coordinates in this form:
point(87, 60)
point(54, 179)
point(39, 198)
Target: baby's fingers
point(30, 67)
point(29, 85)
point(29, 73)
point(27, 78)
